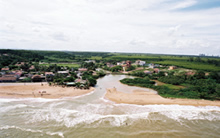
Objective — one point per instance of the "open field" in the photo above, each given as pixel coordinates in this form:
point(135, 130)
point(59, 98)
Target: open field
point(63, 64)
point(197, 63)
point(190, 65)
point(96, 58)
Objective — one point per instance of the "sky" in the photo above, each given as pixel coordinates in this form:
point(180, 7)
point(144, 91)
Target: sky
point(188, 27)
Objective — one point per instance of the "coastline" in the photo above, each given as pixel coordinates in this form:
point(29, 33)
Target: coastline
point(141, 97)
point(36, 90)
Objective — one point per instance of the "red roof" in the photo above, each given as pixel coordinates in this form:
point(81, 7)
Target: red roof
point(32, 67)
point(36, 76)
point(5, 69)
point(48, 73)
point(8, 78)
point(82, 69)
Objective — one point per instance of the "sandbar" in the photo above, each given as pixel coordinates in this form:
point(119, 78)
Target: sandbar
point(141, 97)
point(39, 90)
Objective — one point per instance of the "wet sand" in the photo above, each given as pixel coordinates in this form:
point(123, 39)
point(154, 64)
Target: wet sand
point(36, 90)
point(141, 97)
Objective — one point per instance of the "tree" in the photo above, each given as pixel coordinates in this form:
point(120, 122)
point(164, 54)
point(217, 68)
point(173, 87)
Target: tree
point(116, 68)
point(92, 81)
point(200, 75)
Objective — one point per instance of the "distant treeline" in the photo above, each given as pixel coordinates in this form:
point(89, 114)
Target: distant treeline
point(11, 57)
point(191, 62)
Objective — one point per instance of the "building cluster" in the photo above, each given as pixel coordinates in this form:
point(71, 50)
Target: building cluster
point(7, 75)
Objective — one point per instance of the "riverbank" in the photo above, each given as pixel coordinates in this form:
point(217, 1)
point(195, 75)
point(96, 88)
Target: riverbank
point(37, 90)
point(141, 97)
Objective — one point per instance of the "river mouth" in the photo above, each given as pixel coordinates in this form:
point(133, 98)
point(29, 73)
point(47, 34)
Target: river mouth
point(93, 116)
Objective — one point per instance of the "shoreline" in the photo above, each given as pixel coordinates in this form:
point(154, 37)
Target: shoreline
point(141, 97)
point(36, 90)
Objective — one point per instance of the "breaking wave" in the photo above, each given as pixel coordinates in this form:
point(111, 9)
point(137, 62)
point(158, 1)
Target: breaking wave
point(121, 114)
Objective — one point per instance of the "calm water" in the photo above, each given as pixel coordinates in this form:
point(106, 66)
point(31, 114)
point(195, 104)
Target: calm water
point(93, 116)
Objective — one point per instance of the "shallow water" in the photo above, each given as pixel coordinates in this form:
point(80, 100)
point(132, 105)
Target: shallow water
point(93, 116)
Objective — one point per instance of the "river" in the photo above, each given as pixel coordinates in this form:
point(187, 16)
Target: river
point(93, 116)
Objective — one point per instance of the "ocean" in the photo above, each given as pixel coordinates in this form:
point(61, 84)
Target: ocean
point(93, 116)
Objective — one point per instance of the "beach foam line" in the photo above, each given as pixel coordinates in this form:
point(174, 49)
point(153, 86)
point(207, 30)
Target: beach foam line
point(55, 133)
point(22, 129)
point(7, 100)
point(93, 114)
point(75, 97)
point(106, 100)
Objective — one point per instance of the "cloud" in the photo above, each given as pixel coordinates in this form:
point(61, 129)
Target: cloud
point(117, 26)
point(184, 4)
point(59, 36)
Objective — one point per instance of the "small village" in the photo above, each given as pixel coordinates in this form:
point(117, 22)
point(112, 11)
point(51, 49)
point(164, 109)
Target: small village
point(81, 77)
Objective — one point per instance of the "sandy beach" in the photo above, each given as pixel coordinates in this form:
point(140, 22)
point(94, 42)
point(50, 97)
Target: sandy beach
point(141, 97)
point(37, 90)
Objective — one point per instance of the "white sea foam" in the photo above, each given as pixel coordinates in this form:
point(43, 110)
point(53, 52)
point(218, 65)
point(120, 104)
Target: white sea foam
point(106, 100)
point(96, 114)
point(178, 112)
point(22, 129)
point(12, 107)
point(107, 113)
point(71, 118)
point(55, 133)
point(4, 100)
point(75, 97)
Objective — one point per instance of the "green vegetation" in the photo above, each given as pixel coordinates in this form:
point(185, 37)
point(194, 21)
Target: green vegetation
point(63, 65)
point(196, 86)
point(11, 57)
point(114, 69)
point(190, 62)
point(191, 65)
point(199, 86)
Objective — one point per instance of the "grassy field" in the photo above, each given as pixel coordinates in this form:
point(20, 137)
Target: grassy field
point(174, 87)
point(191, 65)
point(96, 58)
point(68, 65)
point(180, 61)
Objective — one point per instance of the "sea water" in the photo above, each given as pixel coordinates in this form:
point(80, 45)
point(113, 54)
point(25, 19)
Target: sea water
point(93, 116)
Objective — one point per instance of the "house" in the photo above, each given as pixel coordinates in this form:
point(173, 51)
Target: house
point(156, 70)
point(82, 69)
point(47, 74)
point(22, 63)
point(119, 63)
point(64, 72)
point(94, 73)
point(17, 72)
point(37, 78)
point(32, 67)
point(172, 67)
point(22, 78)
point(89, 61)
point(110, 65)
point(71, 84)
point(80, 81)
point(147, 72)
point(128, 63)
point(8, 78)
point(139, 62)
point(151, 65)
point(190, 73)
point(5, 69)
